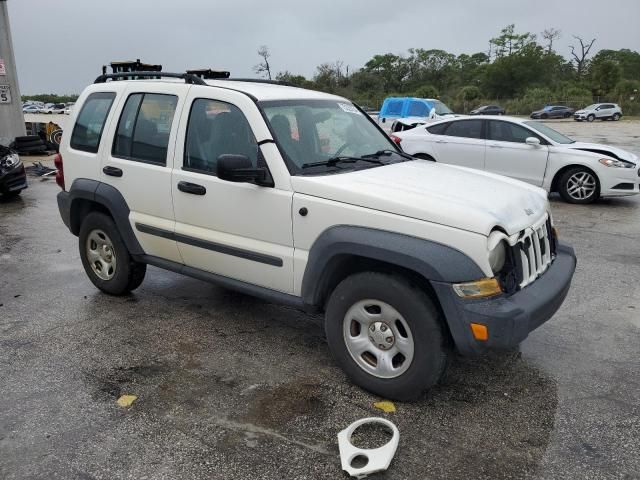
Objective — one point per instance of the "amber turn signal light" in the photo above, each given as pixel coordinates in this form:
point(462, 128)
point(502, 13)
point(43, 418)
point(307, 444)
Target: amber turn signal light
point(480, 332)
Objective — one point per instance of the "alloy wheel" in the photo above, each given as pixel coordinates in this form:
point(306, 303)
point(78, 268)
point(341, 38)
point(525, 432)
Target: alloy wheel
point(581, 185)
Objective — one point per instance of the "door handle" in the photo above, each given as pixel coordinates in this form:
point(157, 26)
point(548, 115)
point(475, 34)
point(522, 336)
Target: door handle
point(192, 188)
point(441, 141)
point(112, 171)
point(495, 146)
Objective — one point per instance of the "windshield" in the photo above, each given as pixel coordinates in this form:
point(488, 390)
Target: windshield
point(549, 132)
point(591, 107)
point(441, 108)
point(312, 132)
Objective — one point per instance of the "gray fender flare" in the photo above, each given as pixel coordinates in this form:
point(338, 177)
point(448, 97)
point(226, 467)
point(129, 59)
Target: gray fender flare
point(111, 199)
point(432, 260)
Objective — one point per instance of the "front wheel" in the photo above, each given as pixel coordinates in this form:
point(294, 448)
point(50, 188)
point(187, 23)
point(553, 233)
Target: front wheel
point(591, 118)
point(386, 335)
point(579, 185)
point(105, 257)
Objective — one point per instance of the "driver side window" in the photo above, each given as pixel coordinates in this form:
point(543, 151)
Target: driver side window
point(216, 128)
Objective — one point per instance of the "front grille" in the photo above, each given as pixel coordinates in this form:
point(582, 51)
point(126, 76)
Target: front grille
point(534, 252)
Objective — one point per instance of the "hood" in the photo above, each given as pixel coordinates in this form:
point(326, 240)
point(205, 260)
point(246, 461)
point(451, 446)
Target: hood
point(606, 150)
point(434, 192)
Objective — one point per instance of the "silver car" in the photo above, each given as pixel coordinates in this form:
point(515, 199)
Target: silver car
point(601, 111)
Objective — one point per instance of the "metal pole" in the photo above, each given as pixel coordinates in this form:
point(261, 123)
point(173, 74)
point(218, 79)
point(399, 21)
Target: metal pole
point(11, 117)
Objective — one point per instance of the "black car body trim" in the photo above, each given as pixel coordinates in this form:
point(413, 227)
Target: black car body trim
point(433, 261)
point(244, 287)
point(77, 202)
point(509, 319)
point(209, 245)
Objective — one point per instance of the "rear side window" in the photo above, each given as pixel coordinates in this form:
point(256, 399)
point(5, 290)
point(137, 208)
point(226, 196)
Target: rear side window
point(217, 128)
point(418, 109)
point(90, 122)
point(144, 128)
point(465, 128)
point(438, 129)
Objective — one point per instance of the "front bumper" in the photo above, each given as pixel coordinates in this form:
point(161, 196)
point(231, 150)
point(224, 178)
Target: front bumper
point(13, 180)
point(509, 319)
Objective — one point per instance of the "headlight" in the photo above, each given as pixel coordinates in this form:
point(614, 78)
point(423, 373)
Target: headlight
point(10, 161)
point(497, 257)
point(497, 249)
point(612, 162)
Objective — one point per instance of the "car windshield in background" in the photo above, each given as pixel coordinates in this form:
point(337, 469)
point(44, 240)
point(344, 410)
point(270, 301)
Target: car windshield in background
point(327, 136)
point(591, 107)
point(441, 108)
point(549, 132)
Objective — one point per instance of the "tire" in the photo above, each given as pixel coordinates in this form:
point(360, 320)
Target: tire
point(571, 178)
point(591, 117)
point(35, 148)
point(417, 323)
point(30, 143)
point(26, 138)
point(567, 115)
point(126, 274)
point(424, 156)
point(544, 116)
point(616, 117)
point(10, 195)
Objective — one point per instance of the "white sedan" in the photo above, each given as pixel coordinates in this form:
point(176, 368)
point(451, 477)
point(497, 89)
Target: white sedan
point(527, 150)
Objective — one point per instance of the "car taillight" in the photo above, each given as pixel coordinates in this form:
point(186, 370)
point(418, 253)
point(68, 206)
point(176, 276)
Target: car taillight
point(57, 161)
point(395, 139)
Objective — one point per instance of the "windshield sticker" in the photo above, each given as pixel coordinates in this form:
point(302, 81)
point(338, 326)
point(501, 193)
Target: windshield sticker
point(349, 108)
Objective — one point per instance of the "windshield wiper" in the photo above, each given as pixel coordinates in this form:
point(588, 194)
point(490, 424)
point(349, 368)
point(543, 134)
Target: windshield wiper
point(381, 153)
point(332, 162)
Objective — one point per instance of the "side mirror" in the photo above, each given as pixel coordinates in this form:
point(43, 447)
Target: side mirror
point(238, 168)
point(533, 141)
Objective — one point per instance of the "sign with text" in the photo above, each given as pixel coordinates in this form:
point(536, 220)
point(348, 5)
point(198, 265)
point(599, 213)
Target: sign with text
point(3, 70)
point(5, 94)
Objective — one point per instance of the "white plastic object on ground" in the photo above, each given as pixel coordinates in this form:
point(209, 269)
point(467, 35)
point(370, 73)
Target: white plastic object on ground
point(378, 459)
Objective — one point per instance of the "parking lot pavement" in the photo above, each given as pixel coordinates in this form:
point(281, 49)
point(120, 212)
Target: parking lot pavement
point(230, 387)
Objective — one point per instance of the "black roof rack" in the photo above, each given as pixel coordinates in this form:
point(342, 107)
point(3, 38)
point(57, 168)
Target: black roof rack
point(209, 74)
point(188, 78)
point(259, 80)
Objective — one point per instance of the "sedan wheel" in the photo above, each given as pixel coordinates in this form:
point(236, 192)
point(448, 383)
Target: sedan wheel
point(579, 185)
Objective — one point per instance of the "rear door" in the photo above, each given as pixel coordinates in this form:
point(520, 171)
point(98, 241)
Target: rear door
point(462, 143)
point(605, 110)
point(141, 147)
point(509, 154)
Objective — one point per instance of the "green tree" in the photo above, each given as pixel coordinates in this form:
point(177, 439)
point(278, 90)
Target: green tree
point(295, 80)
point(605, 75)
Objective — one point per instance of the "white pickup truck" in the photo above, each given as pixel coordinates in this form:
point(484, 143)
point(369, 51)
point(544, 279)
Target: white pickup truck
point(298, 197)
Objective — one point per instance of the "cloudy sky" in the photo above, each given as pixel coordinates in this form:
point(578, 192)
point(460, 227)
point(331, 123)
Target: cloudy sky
point(61, 46)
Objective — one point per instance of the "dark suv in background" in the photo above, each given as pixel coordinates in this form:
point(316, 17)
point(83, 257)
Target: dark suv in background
point(553, 111)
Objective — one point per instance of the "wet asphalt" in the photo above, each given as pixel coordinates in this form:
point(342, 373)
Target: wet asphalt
point(231, 387)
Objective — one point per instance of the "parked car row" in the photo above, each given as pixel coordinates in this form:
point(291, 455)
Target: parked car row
point(47, 108)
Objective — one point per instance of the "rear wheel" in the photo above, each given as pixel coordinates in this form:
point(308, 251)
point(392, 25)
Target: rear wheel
point(579, 185)
point(105, 257)
point(616, 117)
point(386, 335)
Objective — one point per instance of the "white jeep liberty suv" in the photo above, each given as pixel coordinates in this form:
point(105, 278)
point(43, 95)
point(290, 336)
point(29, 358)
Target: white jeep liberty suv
point(298, 197)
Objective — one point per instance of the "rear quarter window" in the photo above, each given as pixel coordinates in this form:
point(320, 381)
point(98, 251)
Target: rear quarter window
point(394, 107)
point(438, 129)
point(89, 126)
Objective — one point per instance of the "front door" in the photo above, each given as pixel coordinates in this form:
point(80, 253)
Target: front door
point(238, 230)
point(509, 154)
